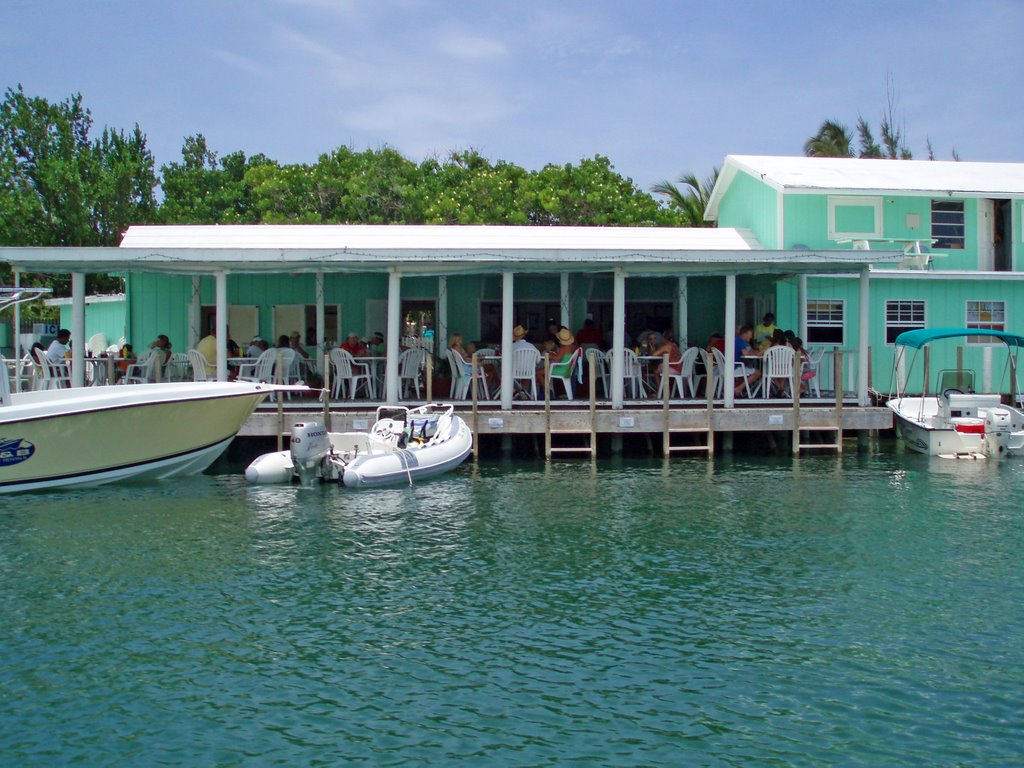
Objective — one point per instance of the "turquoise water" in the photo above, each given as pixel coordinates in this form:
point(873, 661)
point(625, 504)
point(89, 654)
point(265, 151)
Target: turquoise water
point(857, 611)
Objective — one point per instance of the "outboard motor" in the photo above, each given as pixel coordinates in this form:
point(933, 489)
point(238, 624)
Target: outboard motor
point(309, 446)
point(998, 426)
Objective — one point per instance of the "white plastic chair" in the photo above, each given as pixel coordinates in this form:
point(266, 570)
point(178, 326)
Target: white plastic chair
point(524, 369)
point(461, 378)
point(142, 370)
point(409, 364)
point(51, 375)
point(177, 367)
point(201, 368)
point(632, 374)
point(813, 363)
point(777, 365)
point(348, 372)
point(264, 370)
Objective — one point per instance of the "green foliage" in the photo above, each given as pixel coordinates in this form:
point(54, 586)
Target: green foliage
point(201, 190)
point(692, 201)
point(58, 187)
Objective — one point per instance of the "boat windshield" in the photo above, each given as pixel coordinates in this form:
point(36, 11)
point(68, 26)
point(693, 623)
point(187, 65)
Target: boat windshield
point(955, 378)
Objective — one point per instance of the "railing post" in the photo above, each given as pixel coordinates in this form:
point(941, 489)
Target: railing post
point(547, 407)
point(794, 386)
point(666, 384)
point(430, 378)
point(473, 385)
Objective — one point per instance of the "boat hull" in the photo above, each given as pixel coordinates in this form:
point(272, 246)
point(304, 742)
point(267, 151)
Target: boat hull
point(922, 429)
point(119, 433)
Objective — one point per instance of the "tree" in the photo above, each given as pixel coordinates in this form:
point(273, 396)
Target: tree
point(202, 190)
point(58, 187)
point(831, 140)
point(590, 194)
point(692, 201)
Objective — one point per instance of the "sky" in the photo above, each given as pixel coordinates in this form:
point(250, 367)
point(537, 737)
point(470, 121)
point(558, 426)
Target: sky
point(661, 88)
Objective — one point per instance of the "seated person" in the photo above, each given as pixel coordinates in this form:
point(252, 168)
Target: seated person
point(560, 356)
point(765, 330)
point(58, 349)
point(376, 346)
point(163, 344)
point(670, 348)
point(519, 340)
point(744, 351)
point(354, 346)
point(588, 334)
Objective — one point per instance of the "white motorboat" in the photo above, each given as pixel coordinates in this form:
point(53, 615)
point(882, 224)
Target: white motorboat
point(58, 438)
point(957, 421)
point(402, 445)
point(94, 435)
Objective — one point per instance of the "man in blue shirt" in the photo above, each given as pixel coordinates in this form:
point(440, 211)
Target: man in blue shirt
point(743, 352)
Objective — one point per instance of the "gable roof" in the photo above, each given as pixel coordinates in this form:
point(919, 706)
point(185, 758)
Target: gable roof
point(839, 175)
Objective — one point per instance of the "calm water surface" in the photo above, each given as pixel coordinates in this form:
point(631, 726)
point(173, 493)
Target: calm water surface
point(857, 611)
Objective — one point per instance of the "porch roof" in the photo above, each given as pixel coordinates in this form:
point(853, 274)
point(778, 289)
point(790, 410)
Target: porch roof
point(412, 249)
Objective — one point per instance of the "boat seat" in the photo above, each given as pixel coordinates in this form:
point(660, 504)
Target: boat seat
point(421, 430)
point(960, 404)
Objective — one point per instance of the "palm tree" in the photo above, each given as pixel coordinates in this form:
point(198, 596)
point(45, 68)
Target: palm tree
point(832, 140)
point(692, 200)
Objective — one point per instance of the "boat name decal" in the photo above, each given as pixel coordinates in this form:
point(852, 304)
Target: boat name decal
point(14, 450)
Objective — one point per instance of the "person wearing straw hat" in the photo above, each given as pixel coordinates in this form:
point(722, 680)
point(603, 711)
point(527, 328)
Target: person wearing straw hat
point(519, 339)
point(560, 356)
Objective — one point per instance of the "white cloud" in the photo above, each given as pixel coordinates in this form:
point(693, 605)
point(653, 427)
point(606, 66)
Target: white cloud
point(471, 47)
point(242, 63)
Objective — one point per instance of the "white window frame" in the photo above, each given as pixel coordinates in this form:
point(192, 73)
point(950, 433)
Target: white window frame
point(963, 226)
point(905, 319)
point(978, 322)
point(813, 323)
point(853, 202)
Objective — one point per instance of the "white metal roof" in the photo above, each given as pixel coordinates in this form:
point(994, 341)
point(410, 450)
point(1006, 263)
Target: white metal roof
point(413, 238)
point(856, 175)
point(438, 250)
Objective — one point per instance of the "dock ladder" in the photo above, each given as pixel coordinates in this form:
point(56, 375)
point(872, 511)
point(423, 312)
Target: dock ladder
point(836, 427)
point(707, 429)
point(590, 432)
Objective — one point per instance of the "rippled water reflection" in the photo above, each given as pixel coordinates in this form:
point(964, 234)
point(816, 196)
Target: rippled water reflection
point(862, 611)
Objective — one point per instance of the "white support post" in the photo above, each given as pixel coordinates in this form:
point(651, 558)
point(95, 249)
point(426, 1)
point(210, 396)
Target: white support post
point(682, 322)
point(618, 337)
point(441, 331)
point(195, 315)
point(77, 329)
point(730, 341)
point(321, 323)
point(563, 298)
point(17, 335)
point(986, 369)
point(394, 332)
point(222, 326)
point(863, 338)
point(801, 307)
point(507, 305)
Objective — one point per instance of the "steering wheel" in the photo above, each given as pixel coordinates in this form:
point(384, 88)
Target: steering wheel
point(951, 391)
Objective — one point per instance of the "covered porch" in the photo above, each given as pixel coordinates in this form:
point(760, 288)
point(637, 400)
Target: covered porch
point(508, 254)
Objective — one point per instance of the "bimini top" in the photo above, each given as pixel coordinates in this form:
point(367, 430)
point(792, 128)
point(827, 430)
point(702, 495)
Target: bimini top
point(918, 338)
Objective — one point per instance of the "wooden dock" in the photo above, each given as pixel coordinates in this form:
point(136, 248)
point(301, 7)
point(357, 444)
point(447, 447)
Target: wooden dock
point(489, 422)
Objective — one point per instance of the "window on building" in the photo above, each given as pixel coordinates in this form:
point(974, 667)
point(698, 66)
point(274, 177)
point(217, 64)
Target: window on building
point(948, 225)
point(990, 315)
point(902, 316)
point(824, 321)
point(854, 218)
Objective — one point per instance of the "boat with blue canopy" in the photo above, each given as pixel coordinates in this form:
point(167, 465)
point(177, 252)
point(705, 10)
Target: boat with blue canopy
point(957, 421)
